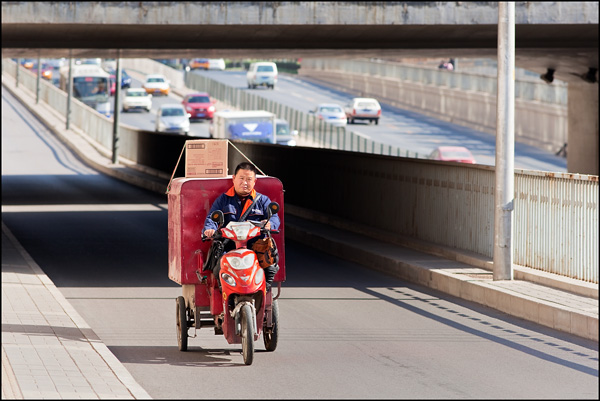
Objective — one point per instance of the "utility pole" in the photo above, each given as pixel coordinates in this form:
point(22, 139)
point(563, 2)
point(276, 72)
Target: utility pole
point(505, 144)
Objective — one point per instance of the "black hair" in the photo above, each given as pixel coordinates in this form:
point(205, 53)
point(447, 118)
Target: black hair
point(246, 166)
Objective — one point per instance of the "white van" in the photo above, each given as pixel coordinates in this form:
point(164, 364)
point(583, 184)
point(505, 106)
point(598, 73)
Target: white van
point(262, 73)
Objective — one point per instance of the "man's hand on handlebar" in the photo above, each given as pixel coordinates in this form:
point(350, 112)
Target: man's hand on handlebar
point(209, 233)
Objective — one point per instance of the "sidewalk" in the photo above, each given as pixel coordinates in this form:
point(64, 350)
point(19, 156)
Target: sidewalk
point(48, 351)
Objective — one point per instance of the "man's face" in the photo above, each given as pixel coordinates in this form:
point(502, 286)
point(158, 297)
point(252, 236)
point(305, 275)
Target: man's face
point(243, 182)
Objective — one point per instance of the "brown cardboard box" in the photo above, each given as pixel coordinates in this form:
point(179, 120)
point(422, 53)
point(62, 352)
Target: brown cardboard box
point(206, 158)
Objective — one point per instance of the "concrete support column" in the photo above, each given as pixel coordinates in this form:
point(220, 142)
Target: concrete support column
point(582, 148)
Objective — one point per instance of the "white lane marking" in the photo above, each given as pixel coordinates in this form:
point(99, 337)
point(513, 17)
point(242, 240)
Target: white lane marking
point(84, 208)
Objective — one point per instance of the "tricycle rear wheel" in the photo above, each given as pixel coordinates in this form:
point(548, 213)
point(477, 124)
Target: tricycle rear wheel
point(270, 336)
point(182, 326)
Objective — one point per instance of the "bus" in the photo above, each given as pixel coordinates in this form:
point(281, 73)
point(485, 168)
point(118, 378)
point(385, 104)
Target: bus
point(91, 85)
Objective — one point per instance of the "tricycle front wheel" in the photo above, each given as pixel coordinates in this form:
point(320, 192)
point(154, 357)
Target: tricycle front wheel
point(247, 334)
point(182, 325)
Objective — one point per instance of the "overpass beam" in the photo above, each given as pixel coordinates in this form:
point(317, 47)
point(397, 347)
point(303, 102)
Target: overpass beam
point(505, 144)
point(582, 149)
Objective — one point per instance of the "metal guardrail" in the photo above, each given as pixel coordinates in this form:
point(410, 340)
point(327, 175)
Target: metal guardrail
point(524, 90)
point(555, 214)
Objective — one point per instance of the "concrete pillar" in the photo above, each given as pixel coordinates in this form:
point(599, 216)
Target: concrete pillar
point(582, 148)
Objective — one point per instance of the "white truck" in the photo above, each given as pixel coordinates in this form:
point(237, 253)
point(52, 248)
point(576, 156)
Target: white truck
point(250, 125)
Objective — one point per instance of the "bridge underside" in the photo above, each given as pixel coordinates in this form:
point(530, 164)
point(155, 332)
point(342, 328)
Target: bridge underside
point(569, 49)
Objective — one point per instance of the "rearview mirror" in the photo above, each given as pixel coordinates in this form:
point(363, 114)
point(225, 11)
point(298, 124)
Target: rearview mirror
point(217, 217)
point(273, 208)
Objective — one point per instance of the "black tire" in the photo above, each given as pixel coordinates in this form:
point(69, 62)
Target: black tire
point(270, 339)
point(377, 122)
point(182, 327)
point(247, 334)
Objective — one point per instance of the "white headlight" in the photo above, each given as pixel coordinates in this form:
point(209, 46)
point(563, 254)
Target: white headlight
point(260, 275)
point(228, 279)
point(240, 263)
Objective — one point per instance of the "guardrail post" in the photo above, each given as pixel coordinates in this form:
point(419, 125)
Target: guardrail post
point(37, 82)
point(70, 91)
point(17, 73)
point(117, 111)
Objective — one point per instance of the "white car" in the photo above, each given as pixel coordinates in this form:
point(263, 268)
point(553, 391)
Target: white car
point(262, 73)
point(216, 64)
point(331, 113)
point(157, 84)
point(137, 99)
point(172, 117)
point(363, 108)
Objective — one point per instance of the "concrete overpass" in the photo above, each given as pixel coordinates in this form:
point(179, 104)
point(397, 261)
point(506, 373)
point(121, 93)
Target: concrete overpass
point(558, 35)
point(561, 36)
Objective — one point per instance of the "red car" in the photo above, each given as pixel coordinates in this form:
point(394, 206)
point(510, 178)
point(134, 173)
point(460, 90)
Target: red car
point(199, 105)
point(113, 84)
point(453, 154)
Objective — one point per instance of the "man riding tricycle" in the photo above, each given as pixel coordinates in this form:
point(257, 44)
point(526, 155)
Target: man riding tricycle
point(226, 248)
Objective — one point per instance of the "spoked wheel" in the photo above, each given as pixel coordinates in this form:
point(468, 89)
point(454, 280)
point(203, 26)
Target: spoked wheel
point(247, 334)
point(270, 336)
point(182, 328)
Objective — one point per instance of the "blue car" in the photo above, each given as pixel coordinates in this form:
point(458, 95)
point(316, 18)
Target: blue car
point(125, 78)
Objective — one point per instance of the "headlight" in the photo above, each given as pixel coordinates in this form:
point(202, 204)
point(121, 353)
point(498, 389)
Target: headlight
point(228, 279)
point(240, 263)
point(260, 275)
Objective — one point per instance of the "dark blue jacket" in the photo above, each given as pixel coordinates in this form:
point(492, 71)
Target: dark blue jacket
point(230, 204)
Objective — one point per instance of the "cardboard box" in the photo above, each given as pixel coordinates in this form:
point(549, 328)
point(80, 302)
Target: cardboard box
point(206, 158)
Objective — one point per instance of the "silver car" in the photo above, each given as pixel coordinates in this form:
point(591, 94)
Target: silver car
point(283, 135)
point(331, 113)
point(172, 118)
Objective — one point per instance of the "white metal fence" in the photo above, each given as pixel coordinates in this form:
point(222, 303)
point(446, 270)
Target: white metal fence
point(555, 214)
point(524, 90)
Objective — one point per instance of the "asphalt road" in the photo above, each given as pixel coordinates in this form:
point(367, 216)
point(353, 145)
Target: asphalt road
point(346, 331)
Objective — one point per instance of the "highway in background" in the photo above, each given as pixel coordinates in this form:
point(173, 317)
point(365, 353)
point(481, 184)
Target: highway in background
point(405, 129)
point(346, 331)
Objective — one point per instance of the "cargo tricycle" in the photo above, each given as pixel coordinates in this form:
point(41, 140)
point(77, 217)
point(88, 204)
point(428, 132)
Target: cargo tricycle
point(240, 308)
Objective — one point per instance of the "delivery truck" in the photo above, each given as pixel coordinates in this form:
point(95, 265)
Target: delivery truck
point(250, 125)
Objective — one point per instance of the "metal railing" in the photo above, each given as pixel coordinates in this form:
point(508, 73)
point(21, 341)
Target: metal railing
point(524, 90)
